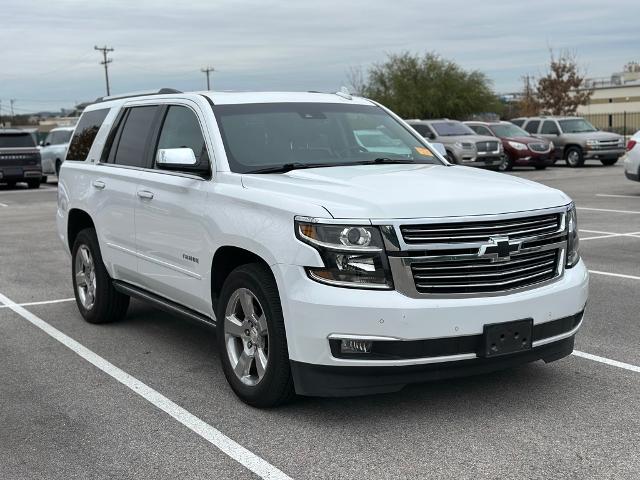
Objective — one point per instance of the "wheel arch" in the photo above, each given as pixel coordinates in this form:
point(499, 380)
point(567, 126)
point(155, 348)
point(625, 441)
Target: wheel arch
point(77, 221)
point(225, 260)
point(571, 145)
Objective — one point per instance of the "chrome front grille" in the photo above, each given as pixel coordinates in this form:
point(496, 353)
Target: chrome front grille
point(487, 146)
point(539, 147)
point(464, 232)
point(489, 256)
point(483, 276)
point(607, 145)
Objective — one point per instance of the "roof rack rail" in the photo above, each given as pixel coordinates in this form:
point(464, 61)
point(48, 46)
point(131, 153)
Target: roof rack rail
point(162, 91)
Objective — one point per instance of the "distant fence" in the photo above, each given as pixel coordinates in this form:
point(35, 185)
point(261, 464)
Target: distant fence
point(624, 123)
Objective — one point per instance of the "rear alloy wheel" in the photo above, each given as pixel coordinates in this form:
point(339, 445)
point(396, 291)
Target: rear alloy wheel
point(574, 157)
point(97, 299)
point(608, 161)
point(252, 339)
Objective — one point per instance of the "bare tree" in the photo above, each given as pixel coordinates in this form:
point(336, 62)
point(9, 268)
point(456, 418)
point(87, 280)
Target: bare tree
point(356, 81)
point(528, 105)
point(562, 90)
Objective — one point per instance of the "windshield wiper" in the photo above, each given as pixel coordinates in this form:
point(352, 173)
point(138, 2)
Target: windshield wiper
point(383, 160)
point(287, 167)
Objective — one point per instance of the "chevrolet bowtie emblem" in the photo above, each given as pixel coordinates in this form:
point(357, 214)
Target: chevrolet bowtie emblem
point(499, 249)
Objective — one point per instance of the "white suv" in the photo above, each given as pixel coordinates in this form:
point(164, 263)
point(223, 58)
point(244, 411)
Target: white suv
point(328, 267)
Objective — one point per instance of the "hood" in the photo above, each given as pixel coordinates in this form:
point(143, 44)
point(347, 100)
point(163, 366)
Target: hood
point(466, 138)
point(598, 135)
point(527, 140)
point(408, 191)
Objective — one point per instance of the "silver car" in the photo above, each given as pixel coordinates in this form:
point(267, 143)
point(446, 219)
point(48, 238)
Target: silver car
point(632, 158)
point(463, 145)
point(54, 149)
point(575, 139)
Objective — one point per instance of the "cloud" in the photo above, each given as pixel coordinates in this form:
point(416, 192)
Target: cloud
point(48, 58)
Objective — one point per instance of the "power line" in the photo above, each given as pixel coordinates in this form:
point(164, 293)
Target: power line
point(207, 71)
point(106, 61)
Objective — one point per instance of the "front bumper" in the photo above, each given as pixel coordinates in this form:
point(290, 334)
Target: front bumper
point(328, 381)
point(313, 312)
point(632, 167)
point(18, 174)
point(603, 154)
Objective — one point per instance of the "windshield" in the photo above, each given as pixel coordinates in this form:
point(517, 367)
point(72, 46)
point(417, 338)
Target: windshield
point(449, 129)
point(576, 125)
point(16, 140)
point(261, 136)
point(506, 130)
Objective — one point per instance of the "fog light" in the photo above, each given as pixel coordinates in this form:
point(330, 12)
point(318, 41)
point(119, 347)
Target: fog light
point(355, 346)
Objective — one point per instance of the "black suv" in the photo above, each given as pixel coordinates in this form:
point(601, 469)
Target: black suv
point(19, 158)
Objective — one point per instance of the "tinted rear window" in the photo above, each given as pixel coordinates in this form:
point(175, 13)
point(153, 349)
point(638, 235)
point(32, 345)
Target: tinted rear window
point(16, 140)
point(532, 126)
point(134, 137)
point(85, 134)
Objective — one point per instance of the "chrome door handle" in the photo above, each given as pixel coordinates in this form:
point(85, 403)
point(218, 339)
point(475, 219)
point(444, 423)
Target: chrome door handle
point(99, 184)
point(145, 194)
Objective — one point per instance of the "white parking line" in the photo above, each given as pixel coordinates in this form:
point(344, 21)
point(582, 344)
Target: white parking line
point(28, 190)
point(607, 234)
point(637, 197)
point(248, 459)
point(45, 302)
point(619, 275)
point(608, 210)
point(608, 361)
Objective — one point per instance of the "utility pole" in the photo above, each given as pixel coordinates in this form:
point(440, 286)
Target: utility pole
point(106, 61)
point(207, 71)
point(12, 102)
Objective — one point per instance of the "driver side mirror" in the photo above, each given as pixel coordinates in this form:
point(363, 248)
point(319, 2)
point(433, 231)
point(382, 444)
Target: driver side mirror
point(431, 136)
point(176, 158)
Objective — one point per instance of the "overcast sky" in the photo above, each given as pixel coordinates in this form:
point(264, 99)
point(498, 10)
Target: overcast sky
point(47, 59)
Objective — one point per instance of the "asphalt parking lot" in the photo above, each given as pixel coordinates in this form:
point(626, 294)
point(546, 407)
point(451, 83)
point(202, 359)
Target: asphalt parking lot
point(146, 397)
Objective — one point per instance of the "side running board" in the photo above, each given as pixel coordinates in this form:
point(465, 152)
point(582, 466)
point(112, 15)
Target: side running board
point(160, 302)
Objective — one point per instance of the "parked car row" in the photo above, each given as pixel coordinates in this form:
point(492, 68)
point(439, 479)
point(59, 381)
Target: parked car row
point(533, 141)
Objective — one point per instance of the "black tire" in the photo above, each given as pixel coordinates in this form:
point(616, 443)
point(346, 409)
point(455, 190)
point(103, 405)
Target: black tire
point(450, 158)
point(58, 165)
point(276, 386)
point(43, 179)
point(574, 157)
point(540, 167)
point(109, 305)
point(608, 161)
point(506, 165)
point(33, 183)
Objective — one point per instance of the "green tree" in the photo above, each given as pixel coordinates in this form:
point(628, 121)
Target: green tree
point(428, 86)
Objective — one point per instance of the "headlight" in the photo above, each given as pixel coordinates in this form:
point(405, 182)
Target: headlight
point(573, 242)
point(592, 143)
point(458, 145)
point(518, 145)
point(353, 255)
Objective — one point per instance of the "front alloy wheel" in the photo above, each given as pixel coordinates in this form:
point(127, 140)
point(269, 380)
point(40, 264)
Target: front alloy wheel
point(246, 336)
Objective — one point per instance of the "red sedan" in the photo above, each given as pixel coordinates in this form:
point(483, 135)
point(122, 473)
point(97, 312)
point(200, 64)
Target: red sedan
point(520, 147)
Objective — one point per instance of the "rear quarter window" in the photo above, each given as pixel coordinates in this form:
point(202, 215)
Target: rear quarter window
point(16, 140)
point(85, 134)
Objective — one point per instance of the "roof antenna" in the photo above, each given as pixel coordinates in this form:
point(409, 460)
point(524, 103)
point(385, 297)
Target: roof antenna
point(344, 93)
